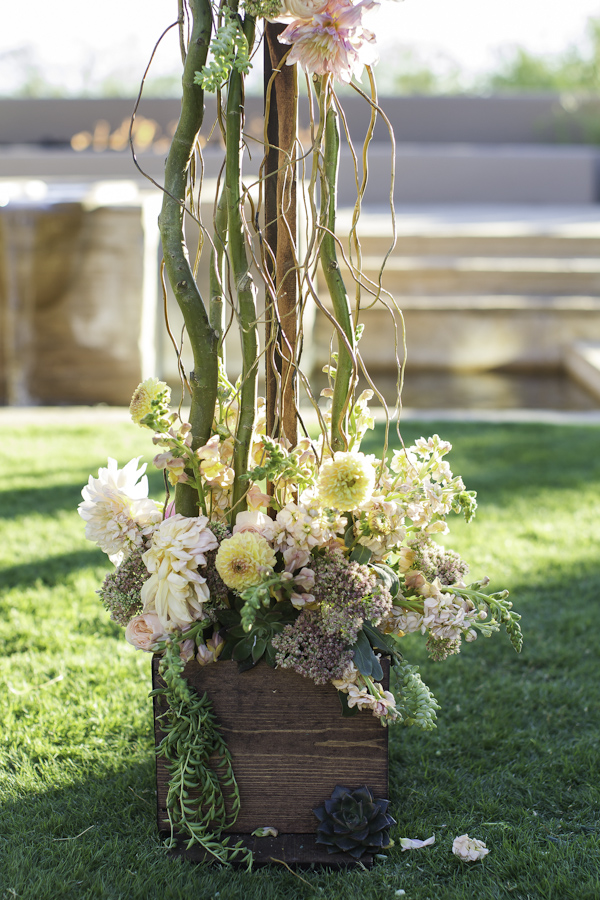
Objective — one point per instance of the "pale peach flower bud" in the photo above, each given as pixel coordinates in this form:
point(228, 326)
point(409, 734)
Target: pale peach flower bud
point(250, 521)
point(187, 650)
point(204, 655)
point(305, 579)
point(299, 601)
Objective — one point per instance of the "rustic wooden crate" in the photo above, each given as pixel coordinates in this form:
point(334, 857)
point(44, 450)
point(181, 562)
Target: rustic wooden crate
point(290, 748)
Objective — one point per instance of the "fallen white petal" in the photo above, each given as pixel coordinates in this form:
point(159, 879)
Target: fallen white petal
point(415, 843)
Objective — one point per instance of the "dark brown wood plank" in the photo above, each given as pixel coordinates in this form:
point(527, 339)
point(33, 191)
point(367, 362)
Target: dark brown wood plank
point(297, 850)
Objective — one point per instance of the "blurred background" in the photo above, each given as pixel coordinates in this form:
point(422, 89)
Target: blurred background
point(496, 267)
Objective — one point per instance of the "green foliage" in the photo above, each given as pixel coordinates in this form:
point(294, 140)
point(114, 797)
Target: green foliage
point(364, 659)
point(279, 466)
point(229, 51)
point(200, 769)
point(513, 761)
point(416, 704)
point(575, 69)
point(262, 8)
point(251, 628)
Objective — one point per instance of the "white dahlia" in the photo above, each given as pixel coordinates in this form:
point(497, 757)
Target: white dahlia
point(116, 509)
point(175, 590)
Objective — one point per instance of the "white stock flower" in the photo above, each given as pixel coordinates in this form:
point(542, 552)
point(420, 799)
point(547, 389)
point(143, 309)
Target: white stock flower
point(116, 509)
point(302, 526)
point(175, 590)
point(447, 617)
point(469, 849)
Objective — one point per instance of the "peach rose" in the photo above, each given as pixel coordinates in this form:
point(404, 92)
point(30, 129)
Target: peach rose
point(144, 632)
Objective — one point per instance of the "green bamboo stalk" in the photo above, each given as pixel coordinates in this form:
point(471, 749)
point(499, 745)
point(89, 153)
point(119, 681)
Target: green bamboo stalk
point(346, 364)
point(246, 291)
point(202, 336)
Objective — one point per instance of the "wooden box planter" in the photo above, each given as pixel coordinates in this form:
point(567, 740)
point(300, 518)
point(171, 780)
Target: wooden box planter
point(290, 748)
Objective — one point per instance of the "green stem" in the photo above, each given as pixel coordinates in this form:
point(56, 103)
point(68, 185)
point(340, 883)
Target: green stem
point(346, 364)
point(246, 292)
point(217, 273)
point(202, 336)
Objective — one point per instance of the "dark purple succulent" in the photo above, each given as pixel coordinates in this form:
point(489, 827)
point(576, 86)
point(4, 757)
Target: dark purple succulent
point(353, 822)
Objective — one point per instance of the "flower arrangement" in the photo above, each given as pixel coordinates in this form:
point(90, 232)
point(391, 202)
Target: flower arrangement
point(302, 552)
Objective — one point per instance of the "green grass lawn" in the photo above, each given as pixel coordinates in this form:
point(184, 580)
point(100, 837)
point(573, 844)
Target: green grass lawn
point(514, 761)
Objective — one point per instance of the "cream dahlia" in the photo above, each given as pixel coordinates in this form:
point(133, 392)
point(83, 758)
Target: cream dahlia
point(116, 509)
point(346, 482)
point(243, 558)
point(175, 590)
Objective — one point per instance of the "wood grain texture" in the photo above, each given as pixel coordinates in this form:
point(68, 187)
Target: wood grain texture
point(290, 748)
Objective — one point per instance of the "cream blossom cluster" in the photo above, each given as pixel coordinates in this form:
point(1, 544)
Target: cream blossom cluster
point(175, 591)
point(303, 526)
point(380, 526)
point(116, 509)
point(445, 617)
point(333, 40)
point(363, 693)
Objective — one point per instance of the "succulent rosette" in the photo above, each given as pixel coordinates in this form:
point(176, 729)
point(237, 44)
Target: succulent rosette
point(354, 822)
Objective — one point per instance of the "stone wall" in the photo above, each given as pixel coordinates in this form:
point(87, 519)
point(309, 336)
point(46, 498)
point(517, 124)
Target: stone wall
point(73, 304)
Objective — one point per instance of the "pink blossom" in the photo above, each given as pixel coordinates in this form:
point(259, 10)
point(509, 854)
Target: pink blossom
point(295, 558)
point(334, 41)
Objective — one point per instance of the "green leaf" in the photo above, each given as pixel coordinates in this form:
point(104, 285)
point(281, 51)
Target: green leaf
point(347, 711)
point(270, 655)
point(379, 640)
point(361, 555)
point(364, 659)
point(349, 535)
point(259, 648)
point(243, 648)
point(227, 617)
point(388, 577)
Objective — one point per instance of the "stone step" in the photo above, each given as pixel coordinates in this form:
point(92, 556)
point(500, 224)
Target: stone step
point(409, 275)
point(477, 230)
point(465, 333)
point(532, 245)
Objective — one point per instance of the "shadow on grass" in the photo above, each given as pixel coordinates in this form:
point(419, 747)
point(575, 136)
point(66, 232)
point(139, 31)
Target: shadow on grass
point(57, 840)
point(51, 570)
point(42, 500)
point(48, 500)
